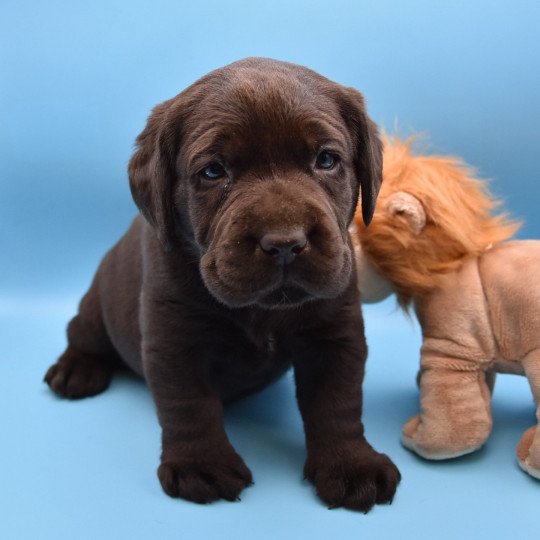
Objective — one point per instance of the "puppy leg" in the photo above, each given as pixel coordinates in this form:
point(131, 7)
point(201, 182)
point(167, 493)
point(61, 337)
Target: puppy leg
point(345, 469)
point(86, 367)
point(198, 463)
point(528, 450)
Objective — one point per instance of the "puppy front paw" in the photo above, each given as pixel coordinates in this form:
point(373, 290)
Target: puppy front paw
point(356, 481)
point(205, 480)
point(76, 375)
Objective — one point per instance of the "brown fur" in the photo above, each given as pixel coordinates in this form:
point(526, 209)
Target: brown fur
point(414, 264)
point(198, 297)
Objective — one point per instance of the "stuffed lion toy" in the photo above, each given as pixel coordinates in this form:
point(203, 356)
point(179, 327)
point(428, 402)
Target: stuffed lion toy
point(437, 242)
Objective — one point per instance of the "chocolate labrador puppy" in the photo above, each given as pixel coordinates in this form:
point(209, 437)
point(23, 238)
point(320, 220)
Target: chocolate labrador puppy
point(241, 266)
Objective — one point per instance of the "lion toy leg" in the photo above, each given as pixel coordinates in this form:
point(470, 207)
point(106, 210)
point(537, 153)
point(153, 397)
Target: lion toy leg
point(455, 417)
point(528, 449)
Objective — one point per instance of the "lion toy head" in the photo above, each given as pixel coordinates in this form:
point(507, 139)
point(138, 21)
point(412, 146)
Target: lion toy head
point(432, 215)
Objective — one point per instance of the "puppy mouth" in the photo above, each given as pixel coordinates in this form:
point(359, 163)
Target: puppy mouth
point(285, 296)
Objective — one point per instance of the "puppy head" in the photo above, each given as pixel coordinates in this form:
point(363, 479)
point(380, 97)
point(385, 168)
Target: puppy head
point(258, 165)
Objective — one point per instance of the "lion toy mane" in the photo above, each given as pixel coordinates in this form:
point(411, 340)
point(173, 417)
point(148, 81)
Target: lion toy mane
point(438, 243)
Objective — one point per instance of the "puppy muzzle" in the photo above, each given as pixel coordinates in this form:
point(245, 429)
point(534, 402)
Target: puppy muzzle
point(278, 249)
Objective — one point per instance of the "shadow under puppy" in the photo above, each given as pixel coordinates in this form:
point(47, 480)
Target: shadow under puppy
point(243, 265)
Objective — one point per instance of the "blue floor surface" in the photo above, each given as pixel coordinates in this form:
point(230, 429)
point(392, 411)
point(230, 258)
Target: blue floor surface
point(86, 469)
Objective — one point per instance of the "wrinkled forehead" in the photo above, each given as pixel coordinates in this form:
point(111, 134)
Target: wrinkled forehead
point(268, 119)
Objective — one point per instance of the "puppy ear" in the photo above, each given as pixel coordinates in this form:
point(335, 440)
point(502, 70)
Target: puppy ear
point(369, 151)
point(151, 175)
point(410, 208)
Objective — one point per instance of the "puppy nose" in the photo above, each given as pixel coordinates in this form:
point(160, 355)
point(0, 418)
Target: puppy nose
point(284, 245)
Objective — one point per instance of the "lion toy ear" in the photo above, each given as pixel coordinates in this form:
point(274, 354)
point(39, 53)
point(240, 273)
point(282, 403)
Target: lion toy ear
point(408, 207)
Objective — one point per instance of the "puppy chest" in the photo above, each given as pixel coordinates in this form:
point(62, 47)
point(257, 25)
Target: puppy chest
point(238, 368)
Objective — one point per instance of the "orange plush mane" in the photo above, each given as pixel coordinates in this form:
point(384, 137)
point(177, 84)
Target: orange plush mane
point(460, 220)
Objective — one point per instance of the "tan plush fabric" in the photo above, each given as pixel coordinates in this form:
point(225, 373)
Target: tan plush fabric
point(478, 302)
point(483, 317)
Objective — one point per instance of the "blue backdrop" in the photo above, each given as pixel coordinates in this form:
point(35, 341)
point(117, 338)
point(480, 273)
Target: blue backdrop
point(77, 81)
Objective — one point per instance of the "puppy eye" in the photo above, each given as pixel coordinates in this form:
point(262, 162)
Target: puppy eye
point(213, 171)
point(326, 160)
